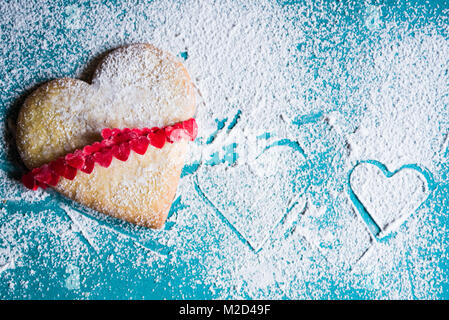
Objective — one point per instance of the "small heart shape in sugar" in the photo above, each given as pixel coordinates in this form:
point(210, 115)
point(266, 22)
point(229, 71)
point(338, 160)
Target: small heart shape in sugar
point(388, 197)
point(137, 86)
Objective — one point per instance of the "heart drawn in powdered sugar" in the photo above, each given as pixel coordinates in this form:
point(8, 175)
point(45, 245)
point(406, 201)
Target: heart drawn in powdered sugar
point(389, 198)
point(136, 86)
point(254, 193)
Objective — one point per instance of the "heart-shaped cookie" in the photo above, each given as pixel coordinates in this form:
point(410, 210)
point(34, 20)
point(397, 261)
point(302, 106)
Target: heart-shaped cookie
point(133, 87)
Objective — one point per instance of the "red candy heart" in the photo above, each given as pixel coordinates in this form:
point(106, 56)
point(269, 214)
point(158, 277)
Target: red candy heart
point(70, 173)
point(175, 135)
point(58, 166)
point(43, 174)
point(103, 158)
point(54, 180)
point(75, 159)
point(89, 165)
point(157, 138)
point(139, 145)
point(122, 151)
point(191, 127)
point(106, 133)
point(29, 182)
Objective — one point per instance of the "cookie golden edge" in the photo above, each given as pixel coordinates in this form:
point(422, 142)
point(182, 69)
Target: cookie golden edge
point(32, 158)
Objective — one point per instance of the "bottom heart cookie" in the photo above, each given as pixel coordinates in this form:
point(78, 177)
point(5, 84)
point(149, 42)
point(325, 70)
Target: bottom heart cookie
point(134, 87)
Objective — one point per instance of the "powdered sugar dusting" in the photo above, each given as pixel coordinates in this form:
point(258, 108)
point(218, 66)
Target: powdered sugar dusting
point(314, 88)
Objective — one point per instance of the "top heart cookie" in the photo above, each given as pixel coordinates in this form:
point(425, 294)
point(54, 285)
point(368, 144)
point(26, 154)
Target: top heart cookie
point(133, 87)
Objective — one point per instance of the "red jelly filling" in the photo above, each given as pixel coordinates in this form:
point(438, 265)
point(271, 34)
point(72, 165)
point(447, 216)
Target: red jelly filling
point(116, 143)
